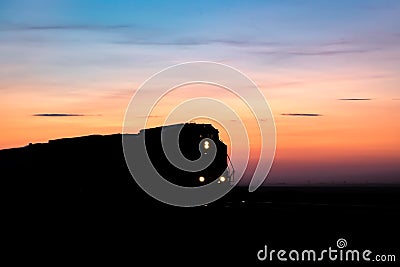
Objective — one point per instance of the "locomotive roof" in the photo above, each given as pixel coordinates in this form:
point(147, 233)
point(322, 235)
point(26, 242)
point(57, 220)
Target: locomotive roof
point(192, 126)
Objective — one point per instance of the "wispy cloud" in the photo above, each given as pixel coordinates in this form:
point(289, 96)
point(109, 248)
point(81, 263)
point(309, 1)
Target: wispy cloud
point(151, 116)
point(302, 114)
point(318, 51)
point(58, 115)
point(355, 99)
point(328, 52)
point(198, 41)
point(58, 27)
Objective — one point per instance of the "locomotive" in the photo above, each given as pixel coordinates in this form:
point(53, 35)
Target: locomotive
point(195, 141)
point(94, 166)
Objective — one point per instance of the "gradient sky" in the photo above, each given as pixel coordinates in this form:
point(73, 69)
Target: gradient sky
point(336, 59)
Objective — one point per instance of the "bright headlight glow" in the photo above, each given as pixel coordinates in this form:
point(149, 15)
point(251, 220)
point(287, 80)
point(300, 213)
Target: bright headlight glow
point(206, 145)
point(222, 179)
point(201, 179)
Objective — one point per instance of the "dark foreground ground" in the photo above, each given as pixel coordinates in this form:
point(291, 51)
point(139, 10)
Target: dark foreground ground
point(73, 201)
point(229, 231)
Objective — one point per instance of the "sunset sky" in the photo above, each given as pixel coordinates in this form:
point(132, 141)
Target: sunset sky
point(330, 71)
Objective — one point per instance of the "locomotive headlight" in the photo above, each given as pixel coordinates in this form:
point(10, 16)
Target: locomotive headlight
point(206, 145)
point(201, 179)
point(222, 179)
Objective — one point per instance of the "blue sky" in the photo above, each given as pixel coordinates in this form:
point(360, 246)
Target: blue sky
point(266, 32)
point(211, 30)
point(268, 21)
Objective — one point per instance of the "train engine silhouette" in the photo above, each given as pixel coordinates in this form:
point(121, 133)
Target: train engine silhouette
point(194, 141)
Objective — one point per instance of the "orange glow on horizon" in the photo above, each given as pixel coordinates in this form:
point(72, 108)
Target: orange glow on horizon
point(359, 132)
